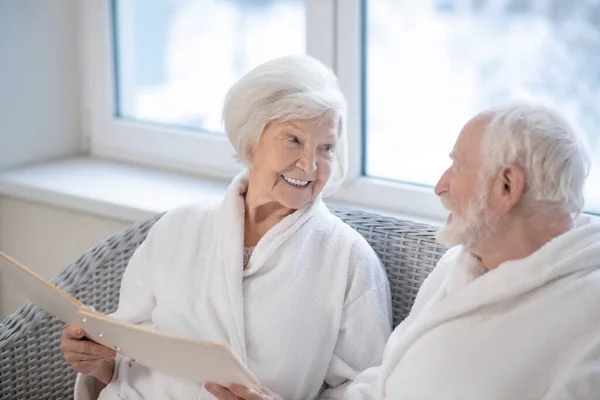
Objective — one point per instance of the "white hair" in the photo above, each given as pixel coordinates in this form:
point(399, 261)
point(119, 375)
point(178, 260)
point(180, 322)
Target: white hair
point(281, 90)
point(477, 226)
point(555, 159)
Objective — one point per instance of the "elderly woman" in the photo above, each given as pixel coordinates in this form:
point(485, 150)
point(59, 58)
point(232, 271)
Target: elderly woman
point(297, 294)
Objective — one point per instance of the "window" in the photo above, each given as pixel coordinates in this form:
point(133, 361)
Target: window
point(413, 73)
point(432, 65)
point(156, 72)
point(176, 59)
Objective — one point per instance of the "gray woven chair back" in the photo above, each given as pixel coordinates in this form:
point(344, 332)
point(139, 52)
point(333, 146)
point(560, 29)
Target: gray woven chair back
point(408, 251)
point(32, 366)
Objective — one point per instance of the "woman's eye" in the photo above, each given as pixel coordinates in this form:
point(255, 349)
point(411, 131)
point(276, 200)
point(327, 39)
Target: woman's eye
point(328, 148)
point(293, 139)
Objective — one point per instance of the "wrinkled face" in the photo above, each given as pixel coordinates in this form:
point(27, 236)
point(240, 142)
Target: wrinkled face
point(464, 192)
point(293, 161)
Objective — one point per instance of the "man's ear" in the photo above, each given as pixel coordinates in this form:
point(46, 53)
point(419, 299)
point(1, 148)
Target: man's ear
point(509, 187)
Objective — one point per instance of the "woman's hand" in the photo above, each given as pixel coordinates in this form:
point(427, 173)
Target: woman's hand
point(236, 392)
point(87, 357)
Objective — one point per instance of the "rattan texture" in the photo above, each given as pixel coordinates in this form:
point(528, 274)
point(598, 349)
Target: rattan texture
point(31, 363)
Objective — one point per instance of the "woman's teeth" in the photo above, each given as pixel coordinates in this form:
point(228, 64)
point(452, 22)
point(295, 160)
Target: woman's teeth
point(295, 182)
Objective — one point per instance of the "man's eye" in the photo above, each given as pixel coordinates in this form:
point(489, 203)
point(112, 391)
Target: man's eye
point(293, 139)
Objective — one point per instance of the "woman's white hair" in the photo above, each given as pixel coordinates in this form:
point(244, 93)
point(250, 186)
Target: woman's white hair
point(555, 159)
point(285, 89)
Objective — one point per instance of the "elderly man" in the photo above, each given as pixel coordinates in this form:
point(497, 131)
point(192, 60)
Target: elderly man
point(512, 310)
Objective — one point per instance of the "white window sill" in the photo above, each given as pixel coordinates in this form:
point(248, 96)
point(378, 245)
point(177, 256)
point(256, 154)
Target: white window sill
point(119, 191)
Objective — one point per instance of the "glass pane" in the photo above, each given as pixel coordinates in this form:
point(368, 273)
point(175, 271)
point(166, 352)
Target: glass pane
point(431, 65)
point(176, 59)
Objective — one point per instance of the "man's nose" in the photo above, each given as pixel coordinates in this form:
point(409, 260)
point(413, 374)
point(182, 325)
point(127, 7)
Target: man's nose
point(442, 185)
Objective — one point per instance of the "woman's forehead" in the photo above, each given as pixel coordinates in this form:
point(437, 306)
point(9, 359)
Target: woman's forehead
point(318, 124)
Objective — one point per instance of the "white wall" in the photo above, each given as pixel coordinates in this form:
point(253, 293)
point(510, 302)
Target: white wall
point(45, 239)
point(40, 119)
point(39, 85)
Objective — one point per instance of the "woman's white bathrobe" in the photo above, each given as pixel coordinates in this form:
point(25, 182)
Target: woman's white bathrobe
point(529, 329)
point(312, 306)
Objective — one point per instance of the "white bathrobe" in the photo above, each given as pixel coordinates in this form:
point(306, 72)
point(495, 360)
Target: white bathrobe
point(311, 307)
point(529, 329)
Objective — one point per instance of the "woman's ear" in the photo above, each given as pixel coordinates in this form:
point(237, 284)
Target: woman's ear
point(250, 151)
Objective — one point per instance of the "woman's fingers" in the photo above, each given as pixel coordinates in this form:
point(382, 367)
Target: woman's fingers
point(73, 332)
point(245, 393)
point(77, 357)
point(220, 392)
point(87, 348)
point(86, 356)
point(80, 357)
point(260, 393)
point(73, 341)
point(237, 392)
point(91, 348)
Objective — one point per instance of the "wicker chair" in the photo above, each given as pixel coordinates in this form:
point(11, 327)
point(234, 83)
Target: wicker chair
point(32, 366)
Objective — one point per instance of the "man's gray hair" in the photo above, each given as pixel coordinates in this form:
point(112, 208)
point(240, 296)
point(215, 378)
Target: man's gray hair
point(281, 90)
point(555, 159)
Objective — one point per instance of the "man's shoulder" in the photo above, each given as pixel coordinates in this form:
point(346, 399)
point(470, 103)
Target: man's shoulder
point(441, 271)
point(449, 258)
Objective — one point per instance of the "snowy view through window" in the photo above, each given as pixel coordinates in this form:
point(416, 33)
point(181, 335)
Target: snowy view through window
point(430, 66)
point(178, 58)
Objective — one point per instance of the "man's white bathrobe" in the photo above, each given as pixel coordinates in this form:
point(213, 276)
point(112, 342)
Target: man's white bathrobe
point(312, 306)
point(529, 329)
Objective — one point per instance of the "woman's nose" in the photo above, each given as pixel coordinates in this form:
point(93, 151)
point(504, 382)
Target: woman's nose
point(308, 162)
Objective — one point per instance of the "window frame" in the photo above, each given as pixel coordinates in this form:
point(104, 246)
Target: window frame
point(335, 37)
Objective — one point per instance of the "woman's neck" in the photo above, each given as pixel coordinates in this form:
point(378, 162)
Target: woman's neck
point(260, 215)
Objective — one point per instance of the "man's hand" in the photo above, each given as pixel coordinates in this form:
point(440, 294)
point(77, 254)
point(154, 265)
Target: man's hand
point(237, 392)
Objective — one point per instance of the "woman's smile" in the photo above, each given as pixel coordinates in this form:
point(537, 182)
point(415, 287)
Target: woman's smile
point(297, 183)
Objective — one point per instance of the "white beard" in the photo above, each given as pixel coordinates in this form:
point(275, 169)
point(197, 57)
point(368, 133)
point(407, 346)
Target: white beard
point(470, 230)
